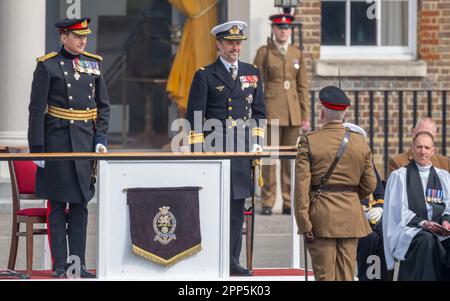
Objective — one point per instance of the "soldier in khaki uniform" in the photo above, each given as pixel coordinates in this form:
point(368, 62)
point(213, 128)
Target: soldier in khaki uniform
point(286, 92)
point(333, 220)
point(399, 160)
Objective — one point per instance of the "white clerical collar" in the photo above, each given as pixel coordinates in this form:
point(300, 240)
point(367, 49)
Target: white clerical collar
point(227, 64)
point(424, 168)
point(279, 46)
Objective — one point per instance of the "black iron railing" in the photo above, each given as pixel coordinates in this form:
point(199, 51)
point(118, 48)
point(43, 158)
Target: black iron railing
point(404, 101)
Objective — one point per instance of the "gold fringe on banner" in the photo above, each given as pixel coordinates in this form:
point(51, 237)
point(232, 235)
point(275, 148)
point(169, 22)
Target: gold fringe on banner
point(168, 262)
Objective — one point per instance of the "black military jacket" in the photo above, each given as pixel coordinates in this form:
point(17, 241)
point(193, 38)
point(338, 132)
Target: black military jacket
point(55, 83)
point(217, 96)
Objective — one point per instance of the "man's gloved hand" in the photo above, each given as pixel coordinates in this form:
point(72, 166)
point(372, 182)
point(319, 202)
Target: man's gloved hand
point(185, 149)
point(40, 164)
point(256, 148)
point(375, 214)
point(100, 148)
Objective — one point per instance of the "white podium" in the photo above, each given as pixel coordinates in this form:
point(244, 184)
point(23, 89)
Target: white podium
point(115, 259)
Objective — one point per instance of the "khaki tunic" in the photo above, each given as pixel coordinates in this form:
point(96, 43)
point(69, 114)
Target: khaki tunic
point(403, 159)
point(290, 106)
point(333, 214)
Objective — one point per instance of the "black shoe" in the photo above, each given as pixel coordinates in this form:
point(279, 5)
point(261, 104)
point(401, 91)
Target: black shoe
point(59, 272)
point(84, 273)
point(287, 211)
point(266, 210)
point(237, 270)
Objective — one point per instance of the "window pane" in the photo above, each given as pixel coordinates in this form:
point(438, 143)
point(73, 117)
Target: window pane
point(333, 23)
point(394, 23)
point(363, 30)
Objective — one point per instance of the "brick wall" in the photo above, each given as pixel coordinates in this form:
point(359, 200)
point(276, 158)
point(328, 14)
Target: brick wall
point(433, 39)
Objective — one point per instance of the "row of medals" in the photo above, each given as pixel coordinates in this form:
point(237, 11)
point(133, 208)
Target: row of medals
point(81, 66)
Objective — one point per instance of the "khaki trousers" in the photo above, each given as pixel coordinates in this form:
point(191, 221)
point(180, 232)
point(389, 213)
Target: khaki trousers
point(333, 259)
point(288, 136)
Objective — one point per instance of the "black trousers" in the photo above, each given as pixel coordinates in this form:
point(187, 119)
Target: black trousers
point(236, 222)
point(76, 220)
point(370, 245)
point(427, 259)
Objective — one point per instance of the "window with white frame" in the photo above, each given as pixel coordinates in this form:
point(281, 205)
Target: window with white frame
point(368, 29)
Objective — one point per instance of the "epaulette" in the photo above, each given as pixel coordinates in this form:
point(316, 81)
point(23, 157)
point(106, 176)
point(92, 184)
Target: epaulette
point(94, 56)
point(46, 57)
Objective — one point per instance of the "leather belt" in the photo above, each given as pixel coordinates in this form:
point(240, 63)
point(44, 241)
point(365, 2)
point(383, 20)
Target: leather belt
point(335, 188)
point(71, 114)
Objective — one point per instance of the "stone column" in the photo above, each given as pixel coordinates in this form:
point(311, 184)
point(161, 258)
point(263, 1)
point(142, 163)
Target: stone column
point(22, 39)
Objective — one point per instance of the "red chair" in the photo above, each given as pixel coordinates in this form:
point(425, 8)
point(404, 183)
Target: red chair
point(22, 186)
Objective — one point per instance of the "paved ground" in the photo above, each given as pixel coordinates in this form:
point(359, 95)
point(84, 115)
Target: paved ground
point(272, 241)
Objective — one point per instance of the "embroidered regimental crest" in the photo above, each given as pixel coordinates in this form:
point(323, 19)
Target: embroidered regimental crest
point(164, 225)
point(156, 215)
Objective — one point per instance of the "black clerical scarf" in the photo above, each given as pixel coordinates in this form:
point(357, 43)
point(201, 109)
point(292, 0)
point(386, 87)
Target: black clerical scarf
point(416, 198)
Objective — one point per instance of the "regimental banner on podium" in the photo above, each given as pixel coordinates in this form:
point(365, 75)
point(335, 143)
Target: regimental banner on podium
point(164, 223)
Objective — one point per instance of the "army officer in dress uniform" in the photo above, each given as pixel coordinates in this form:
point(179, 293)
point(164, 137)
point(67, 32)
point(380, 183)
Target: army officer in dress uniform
point(327, 196)
point(286, 93)
point(69, 112)
point(230, 92)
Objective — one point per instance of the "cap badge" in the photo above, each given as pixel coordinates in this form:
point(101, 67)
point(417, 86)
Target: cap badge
point(234, 30)
point(84, 23)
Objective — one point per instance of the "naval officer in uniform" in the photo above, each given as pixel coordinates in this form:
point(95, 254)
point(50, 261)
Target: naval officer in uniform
point(230, 92)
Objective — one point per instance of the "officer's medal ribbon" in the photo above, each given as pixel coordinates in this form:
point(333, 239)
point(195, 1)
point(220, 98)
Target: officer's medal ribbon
point(438, 196)
point(248, 81)
point(77, 68)
point(428, 195)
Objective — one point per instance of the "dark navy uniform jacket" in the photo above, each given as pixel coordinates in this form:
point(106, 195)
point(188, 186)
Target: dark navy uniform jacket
point(232, 102)
point(378, 194)
point(55, 84)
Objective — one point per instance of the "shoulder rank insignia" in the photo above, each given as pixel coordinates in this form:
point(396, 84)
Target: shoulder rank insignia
point(202, 68)
point(46, 57)
point(255, 66)
point(220, 88)
point(94, 56)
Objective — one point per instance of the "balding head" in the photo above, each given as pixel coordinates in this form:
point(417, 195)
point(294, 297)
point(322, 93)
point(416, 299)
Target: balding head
point(425, 125)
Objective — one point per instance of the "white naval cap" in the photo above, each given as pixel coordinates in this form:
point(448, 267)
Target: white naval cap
point(355, 128)
point(232, 30)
